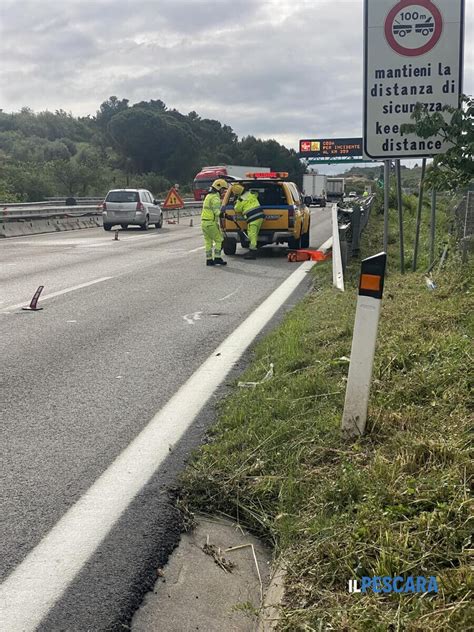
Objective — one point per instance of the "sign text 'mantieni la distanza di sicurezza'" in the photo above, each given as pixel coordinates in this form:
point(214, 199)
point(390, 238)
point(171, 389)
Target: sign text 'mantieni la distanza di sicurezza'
point(421, 88)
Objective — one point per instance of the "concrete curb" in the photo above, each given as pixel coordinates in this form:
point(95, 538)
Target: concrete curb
point(22, 227)
point(33, 226)
point(270, 613)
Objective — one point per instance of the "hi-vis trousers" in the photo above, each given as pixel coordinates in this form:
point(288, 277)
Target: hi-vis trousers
point(253, 228)
point(212, 238)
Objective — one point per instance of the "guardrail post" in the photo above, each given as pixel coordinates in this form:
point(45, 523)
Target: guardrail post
point(363, 344)
point(355, 230)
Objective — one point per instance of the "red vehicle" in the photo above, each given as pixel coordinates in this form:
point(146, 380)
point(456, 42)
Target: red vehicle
point(207, 175)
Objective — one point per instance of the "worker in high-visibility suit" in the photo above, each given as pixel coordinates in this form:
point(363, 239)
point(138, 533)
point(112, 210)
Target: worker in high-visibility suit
point(248, 205)
point(365, 193)
point(211, 211)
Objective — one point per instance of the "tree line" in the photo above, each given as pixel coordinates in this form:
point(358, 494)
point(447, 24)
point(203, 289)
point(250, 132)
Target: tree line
point(146, 145)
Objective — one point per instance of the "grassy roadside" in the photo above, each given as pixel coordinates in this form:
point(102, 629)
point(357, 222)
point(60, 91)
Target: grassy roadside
point(395, 502)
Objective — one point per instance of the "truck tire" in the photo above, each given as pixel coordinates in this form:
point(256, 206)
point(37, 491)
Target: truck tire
point(229, 246)
point(305, 237)
point(294, 243)
point(107, 226)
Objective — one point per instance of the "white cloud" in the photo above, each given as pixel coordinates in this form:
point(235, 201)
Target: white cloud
point(283, 69)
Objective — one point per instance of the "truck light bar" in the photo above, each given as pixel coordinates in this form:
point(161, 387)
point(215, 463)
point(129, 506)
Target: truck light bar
point(269, 174)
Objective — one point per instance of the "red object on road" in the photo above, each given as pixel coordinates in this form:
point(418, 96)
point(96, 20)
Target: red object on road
point(308, 255)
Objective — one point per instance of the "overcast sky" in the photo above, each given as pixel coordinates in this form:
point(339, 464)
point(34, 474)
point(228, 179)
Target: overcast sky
point(283, 69)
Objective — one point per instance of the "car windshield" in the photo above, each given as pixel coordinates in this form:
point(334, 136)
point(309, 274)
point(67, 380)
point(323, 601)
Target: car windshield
point(202, 184)
point(122, 196)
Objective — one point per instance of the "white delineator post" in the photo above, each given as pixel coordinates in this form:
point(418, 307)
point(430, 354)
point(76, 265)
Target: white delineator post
point(363, 344)
point(337, 273)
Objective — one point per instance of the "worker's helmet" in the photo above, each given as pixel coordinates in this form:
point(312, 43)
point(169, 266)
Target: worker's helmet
point(219, 184)
point(237, 189)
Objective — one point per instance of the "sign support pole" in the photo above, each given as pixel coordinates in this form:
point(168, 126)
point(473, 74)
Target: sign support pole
point(400, 216)
point(418, 214)
point(386, 182)
point(433, 225)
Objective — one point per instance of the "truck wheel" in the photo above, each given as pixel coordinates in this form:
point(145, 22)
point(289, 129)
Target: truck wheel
point(107, 226)
point(229, 246)
point(305, 238)
point(294, 243)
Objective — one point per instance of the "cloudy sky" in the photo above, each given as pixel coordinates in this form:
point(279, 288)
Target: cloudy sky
point(283, 69)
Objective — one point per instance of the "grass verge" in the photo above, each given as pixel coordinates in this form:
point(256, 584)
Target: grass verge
point(395, 502)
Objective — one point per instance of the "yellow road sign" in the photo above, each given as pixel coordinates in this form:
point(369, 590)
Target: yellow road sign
point(173, 199)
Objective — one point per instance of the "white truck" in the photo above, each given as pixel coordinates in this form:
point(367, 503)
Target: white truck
point(314, 189)
point(335, 188)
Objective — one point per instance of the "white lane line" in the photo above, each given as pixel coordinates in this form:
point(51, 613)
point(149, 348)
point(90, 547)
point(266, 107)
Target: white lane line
point(38, 582)
point(6, 310)
point(196, 249)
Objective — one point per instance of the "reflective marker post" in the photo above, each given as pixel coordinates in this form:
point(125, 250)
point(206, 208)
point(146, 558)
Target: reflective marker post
point(364, 338)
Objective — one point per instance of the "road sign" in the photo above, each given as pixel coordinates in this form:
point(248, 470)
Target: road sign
point(412, 54)
point(173, 199)
point(330, 147)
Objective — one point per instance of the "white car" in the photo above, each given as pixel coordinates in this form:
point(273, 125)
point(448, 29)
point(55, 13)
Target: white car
point(352, 194)
point(135, 207)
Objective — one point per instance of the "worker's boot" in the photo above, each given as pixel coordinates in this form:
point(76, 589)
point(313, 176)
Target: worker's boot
point(219, 261)
point(250, 255)
point(210, 262)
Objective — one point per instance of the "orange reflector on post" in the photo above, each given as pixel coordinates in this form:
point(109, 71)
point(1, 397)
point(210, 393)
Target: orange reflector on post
point(370, 282)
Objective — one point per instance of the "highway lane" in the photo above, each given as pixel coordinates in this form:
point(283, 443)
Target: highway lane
point(81, 378)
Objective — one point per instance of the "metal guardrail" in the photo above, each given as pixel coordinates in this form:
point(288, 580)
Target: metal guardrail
point(61, 203)
point(37, 211)
point(348, 224)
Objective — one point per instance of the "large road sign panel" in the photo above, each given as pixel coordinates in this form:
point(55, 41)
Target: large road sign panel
point(412, 54)
point(330, 147)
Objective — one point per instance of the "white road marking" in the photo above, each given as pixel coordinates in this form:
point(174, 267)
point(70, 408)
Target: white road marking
point(229, 295)
point(6, 310)
point(197, 249)
point(192, 318)
point(37, 583)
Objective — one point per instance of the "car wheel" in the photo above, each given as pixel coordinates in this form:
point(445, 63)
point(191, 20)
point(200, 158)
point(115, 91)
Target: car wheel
point(229, 246)
point(107, 226)
point(146, 224)
point(124, 226)
point(160, 223)
point(294, 243)
point(305, 238)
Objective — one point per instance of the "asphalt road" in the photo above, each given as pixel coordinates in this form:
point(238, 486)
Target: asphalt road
point(124, 324)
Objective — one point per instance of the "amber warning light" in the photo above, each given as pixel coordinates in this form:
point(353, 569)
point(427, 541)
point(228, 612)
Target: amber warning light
point(268, 174)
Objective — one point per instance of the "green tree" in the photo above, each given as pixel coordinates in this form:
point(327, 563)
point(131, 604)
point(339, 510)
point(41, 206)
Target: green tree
point(453, 169)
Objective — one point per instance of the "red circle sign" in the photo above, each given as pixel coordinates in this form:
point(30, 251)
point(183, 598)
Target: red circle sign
point(413, 27)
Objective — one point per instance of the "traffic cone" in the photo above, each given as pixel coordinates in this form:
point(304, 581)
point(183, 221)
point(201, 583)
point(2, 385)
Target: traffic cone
point(116, 235)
